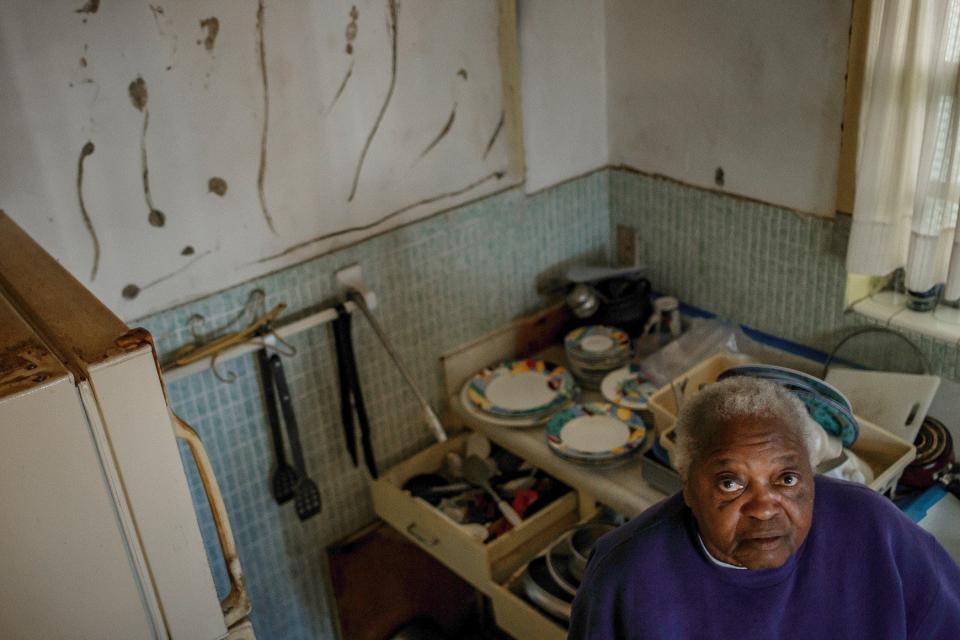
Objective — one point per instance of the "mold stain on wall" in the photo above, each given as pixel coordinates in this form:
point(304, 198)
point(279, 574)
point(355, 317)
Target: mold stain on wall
point(217, 185)
point(212, 27)
point(496, 134)
point(91, 6)
point(392, 16)
point(138, 96)
point(496, 175)
point(87, 150)
point(351, 35)
point(264, 81)
point(440, 136)
point(131, 291)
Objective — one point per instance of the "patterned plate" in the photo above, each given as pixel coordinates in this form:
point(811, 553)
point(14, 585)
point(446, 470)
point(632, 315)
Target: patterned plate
point(521, 388)
point(595, 431)
point(596, 341)
point(785, 375)
point(628, 387)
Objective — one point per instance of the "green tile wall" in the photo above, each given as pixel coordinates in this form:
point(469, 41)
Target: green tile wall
point(440, 282)
point(760, 265)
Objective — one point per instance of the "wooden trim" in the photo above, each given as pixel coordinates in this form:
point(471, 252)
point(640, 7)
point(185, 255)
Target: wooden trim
point(852, 101)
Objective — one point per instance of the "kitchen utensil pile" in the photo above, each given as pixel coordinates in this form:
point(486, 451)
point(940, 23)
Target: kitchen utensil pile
point(485, 489)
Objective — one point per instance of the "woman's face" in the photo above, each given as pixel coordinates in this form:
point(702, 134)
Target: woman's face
point(751, 493)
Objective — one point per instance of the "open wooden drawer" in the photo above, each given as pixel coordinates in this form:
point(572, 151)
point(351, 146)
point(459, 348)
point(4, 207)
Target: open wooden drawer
point(522, 620)
point(482, 564)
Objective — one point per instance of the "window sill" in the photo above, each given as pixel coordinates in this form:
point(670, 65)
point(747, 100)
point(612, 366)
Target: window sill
point(890, 308)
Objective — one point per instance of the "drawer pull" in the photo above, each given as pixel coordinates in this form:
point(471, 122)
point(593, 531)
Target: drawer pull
point(429, 542)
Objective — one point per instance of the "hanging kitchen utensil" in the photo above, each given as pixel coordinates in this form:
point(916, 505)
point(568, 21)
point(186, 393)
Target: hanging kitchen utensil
point(306, 496)
point(433, 421)
point(351, 395)
point(285, 477)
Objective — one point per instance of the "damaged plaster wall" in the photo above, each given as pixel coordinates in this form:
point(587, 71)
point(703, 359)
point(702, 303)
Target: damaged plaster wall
point(743, 96)
point(163, 151)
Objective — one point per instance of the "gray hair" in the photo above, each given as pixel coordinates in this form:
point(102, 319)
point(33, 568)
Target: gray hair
point(732, 399)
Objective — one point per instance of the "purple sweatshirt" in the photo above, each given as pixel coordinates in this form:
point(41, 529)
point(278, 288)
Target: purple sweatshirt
point(864, 571)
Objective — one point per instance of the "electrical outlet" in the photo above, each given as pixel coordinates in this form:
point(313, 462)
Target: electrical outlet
point(628, 251)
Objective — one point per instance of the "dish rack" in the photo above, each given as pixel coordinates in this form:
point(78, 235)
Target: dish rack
point(886, 454)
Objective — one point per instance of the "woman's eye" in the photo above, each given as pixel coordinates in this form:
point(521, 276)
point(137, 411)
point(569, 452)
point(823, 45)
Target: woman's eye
point(729, 486)
point(790, 480)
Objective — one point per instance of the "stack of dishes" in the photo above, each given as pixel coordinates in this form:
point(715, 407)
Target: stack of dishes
point(596, 350)
point(824, 402)
point(596, 433)
point(519, 393)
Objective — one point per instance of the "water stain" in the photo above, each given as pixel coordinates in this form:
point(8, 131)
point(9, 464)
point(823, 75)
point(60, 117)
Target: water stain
point(187, 251)
point(138, 93)
point(87, 150)
point(496, 175)
point(392, 16)
point(91, 7)
point(217, 185)
point(262, 171)
point(131, 291)
point(496, 134)
point(212, 27)
point(443, 132)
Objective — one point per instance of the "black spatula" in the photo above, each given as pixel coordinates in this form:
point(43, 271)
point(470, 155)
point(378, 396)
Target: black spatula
point(285, 477)
point(306, 496)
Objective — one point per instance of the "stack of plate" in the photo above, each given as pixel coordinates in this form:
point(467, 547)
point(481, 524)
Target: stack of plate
point(628, 387)
point(596, 433)
point(823, 401)
point(519, 393)
point(596, 350)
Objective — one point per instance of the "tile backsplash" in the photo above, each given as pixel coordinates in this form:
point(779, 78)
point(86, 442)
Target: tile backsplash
point(447, 280)
point(767, 267)
point(439, 283)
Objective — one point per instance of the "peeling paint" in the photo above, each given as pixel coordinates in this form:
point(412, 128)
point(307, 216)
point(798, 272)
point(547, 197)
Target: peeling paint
point(212, 27)
point(496, 134)
point(217, 185)
point(443, 132)
point(91, 6)
point(138, 93)
point(87, 150)
point(131, 291)
point(393, 15)
point(262, 172)
point(496, 175)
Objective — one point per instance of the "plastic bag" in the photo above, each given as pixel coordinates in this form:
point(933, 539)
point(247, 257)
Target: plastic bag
point(703, 339)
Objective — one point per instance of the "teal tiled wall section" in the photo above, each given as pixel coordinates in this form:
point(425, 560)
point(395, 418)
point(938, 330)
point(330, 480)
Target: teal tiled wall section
point(760, 265)
point(439, 283)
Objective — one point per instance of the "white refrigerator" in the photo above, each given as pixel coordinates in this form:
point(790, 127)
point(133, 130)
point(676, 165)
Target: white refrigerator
point(98, 534)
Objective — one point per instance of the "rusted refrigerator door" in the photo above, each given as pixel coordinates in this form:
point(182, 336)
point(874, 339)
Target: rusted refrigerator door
point(100, 537)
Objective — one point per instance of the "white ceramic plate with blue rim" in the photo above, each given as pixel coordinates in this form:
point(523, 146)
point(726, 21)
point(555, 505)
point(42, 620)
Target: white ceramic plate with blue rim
point(521, 388)
point(595, 431)
point(628, 387)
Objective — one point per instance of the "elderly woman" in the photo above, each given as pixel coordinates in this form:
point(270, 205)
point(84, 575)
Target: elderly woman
point(755, 546)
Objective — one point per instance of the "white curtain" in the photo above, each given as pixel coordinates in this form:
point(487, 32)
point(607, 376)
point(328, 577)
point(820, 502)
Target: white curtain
point(908, 164)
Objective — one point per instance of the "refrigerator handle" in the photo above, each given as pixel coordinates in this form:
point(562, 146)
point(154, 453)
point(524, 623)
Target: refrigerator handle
point(236, 606)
